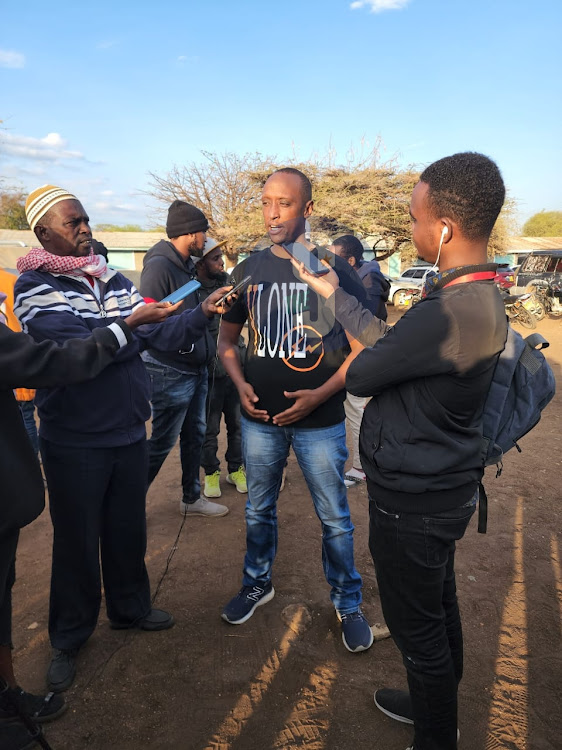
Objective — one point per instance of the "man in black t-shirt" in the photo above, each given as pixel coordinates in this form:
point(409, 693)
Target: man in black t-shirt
point(291, 394)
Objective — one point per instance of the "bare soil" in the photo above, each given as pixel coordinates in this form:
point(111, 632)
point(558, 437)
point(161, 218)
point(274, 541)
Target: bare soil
point(284, 679)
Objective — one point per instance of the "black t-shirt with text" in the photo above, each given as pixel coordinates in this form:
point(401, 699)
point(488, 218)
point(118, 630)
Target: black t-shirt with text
point(295, 341)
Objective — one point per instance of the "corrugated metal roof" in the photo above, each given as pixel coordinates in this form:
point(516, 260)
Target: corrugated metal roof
point(533, 243)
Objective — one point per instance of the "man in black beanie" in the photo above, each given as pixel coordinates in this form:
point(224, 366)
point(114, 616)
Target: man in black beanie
point(179, 379)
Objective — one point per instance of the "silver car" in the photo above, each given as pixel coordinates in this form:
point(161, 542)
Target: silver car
point(412, 278)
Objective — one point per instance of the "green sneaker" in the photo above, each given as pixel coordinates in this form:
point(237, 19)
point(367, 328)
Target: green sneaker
point(212, 485)
point(238, 478)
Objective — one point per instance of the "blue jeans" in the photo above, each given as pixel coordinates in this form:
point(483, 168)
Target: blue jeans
point(414, 556)
point(321, 454)
point(27, 409)
point(178, 408)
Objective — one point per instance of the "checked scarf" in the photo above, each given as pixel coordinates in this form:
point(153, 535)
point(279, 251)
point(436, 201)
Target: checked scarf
point(38, 259)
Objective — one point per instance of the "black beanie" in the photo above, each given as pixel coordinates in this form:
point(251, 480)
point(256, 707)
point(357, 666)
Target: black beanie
point(183, 218)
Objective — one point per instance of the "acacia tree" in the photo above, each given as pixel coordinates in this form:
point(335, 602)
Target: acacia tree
point(226, 187)
point(504, 228)
point(12, 210)
point(370, 200)
point(364, 196)
point(544, 224)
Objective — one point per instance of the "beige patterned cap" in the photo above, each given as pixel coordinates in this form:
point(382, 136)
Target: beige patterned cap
point(210, 244)
point(42, 199)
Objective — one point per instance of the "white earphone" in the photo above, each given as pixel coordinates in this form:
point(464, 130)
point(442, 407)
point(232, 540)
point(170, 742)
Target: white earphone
point(435, 267)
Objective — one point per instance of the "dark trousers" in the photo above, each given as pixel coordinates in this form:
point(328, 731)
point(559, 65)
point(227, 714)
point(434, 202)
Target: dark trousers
point(222, 399)
point(414, 558)
point(97, 504)
point(8, 546)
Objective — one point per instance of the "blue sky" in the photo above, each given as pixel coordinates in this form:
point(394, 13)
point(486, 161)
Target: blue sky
point(94, 96)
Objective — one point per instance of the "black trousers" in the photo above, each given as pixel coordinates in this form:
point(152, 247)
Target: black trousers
point(97, 503)
point(222, 398)
point(414, 558)
point(8, 546)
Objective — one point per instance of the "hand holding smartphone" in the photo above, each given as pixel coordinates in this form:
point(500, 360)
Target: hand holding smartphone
point(302, 254)
point(234, 290)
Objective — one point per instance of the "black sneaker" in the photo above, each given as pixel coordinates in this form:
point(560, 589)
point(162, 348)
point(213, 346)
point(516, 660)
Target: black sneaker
point(62, 669)
point(156, 619)
point(396, 704)
point(16, 702)
point(15, 735)
point(242, 607)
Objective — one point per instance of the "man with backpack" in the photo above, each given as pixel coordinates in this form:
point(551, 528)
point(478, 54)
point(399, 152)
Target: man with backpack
point(421, 437)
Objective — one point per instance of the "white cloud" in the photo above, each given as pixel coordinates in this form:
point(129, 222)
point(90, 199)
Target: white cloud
point(107, 192)
point(9, 59)
point(378, 6)
point(187, 59)
point(114, 207)
point(50, 148)
point(107, 44)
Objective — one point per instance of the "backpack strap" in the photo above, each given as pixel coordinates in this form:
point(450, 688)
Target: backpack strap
point(536, 341)
point(482, 509)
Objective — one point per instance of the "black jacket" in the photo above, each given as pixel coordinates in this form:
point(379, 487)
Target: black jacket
point(25, 363)
point(164, 271)
point(429, 375)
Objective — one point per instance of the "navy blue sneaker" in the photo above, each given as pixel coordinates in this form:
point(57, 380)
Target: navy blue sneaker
point(355, 631)
point(244, 604)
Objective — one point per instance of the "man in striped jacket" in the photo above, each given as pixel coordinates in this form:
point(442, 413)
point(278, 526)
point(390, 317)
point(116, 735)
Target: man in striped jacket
point(92, 435)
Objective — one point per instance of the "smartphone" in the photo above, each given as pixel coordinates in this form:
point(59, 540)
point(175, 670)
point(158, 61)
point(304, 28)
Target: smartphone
point(183, 292)
point(302, 255)
point(234, 289)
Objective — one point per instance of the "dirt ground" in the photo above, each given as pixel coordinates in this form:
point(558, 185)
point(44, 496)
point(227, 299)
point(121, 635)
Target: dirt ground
point(284, 679)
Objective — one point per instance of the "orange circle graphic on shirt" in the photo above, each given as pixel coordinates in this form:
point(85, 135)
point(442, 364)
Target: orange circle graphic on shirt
point(309, 349)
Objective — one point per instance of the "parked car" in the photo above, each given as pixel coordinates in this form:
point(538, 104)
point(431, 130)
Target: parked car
point(541, 265)
point(412, 278)
point(505, 277)
point(416, 272)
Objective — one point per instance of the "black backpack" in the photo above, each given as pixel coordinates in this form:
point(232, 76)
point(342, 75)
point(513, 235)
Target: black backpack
point(522, 385)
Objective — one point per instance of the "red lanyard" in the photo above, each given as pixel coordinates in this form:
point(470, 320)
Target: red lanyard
point(479, 276)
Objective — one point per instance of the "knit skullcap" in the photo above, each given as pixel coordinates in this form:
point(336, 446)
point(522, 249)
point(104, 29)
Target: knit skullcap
point(42, 199)
point(183, 218)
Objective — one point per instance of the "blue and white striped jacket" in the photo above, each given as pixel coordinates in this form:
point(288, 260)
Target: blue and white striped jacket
point(110, 410)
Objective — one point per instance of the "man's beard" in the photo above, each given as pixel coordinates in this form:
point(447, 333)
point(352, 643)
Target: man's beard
point(194, 250)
